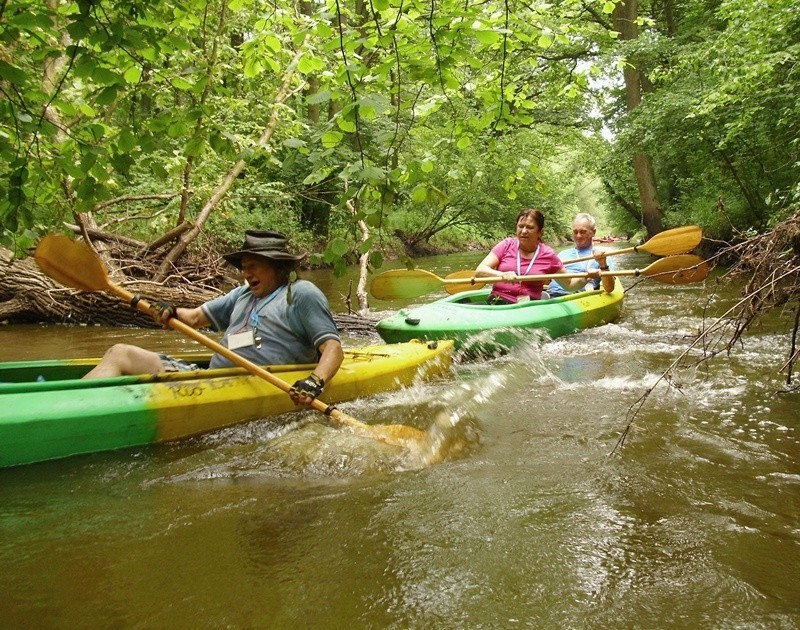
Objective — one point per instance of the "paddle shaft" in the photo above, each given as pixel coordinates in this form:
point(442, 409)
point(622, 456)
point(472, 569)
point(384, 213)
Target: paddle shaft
point(401, 283)
point(380, 433)
point(543, 277)
point(613, 252)
point(679, 269)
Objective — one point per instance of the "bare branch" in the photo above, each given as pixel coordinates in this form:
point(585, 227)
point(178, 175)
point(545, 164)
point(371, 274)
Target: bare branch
point(771, 264)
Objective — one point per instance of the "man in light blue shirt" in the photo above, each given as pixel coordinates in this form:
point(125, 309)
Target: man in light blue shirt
point(272, 319)
point(584, 227)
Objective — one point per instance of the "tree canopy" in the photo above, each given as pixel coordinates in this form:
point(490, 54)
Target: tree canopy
point(439, 119)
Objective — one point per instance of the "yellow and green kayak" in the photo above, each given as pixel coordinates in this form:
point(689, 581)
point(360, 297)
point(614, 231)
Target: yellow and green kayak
point(479, 328)
point(48, 412)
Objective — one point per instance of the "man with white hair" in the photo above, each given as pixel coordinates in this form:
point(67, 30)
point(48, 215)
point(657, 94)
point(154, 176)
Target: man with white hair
point(584, 228)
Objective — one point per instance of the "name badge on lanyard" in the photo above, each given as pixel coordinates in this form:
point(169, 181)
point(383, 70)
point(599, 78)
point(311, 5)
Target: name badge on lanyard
point(242, 340)
point(247, 338)
point(530, 264)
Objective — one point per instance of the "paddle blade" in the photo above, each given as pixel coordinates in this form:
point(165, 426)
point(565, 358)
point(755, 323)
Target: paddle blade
point(71, 263)
point(453, 286)
point(681, 269)
point(402, 435)
point(676, 241)
point(404, 283)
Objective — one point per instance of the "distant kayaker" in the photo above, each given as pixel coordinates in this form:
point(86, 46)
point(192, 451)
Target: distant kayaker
point(523, 255)
point(584, 228)
point(271, 320)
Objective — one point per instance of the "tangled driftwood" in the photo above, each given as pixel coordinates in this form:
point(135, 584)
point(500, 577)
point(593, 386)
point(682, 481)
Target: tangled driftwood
point(770, 262)
point(27, 295)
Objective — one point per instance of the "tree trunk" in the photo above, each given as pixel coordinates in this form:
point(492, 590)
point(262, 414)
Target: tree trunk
point(648, 194)
point(625, 16)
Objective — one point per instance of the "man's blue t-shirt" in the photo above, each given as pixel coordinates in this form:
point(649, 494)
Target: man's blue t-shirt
point(555, 289)
point(288, 333)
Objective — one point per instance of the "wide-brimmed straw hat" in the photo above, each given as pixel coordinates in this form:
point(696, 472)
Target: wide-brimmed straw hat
point(271, 245)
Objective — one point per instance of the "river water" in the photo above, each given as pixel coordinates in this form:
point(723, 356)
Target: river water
point(533, 523)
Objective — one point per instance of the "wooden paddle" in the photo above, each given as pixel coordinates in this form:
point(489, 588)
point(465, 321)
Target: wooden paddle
point(680, 269)
point(667, 243)
point(403, 283)
point(75, 265)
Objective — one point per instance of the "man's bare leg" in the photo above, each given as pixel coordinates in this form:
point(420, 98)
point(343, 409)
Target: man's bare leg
point(122, 358)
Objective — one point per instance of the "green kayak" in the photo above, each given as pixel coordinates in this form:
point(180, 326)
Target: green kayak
point(479, 328)
point(49, 412)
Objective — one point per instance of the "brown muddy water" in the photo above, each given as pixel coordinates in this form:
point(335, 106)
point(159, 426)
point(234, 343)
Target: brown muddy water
point(695, 523)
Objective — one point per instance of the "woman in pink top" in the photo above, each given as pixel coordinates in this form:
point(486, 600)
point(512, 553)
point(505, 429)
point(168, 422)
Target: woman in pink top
point(523, 255)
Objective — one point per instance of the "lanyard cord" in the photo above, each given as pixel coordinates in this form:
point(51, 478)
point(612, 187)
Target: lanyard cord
point(586, 251)
point(252, 318)
point(519, 261)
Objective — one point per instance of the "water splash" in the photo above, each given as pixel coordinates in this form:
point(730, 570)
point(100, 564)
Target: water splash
point(496, 342)
point(454, 429)
point(301, 445)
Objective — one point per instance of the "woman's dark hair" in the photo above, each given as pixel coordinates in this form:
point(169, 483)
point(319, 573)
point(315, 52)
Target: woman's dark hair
point(534, 214)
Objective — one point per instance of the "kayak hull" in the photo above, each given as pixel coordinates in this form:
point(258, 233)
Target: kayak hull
point(480, 328)
point(62, 415)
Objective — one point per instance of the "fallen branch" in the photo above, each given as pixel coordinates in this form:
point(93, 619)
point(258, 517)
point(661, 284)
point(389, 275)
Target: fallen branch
point(166, 238)
point(771, 263)
point(101, 235)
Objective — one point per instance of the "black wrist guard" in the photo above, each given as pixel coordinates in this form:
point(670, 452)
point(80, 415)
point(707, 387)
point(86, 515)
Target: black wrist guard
point(310, 386)
point(159, 307)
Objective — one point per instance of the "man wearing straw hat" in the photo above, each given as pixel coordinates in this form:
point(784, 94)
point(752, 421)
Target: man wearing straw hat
point(270, 320)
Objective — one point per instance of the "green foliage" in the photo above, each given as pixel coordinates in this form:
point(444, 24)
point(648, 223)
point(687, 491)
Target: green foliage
point(139, 97)
point(438, 122)
point(722, 121)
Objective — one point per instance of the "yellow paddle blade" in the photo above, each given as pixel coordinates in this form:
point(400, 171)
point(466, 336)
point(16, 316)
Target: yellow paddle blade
point(401, 435)
point(453, 287)
point(675, 241)
point(404, 283)
point(681, 269)
point(71, 263)
point(401, 432)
